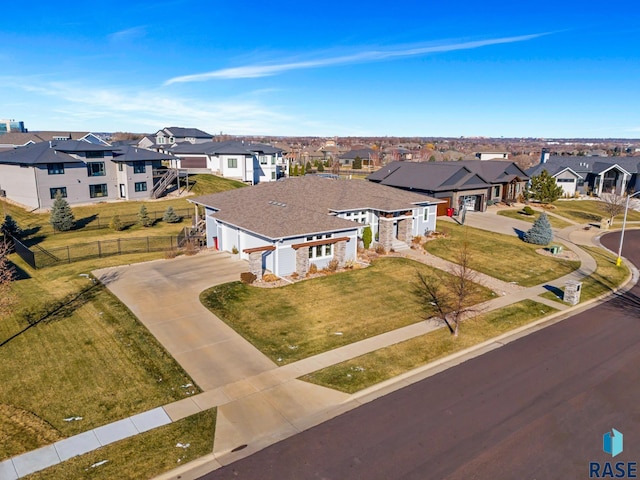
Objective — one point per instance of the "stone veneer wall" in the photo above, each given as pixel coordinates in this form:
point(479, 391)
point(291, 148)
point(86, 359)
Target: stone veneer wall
point(255, 264)
point(385, 232)
point(302, 261)
point(405, 229)
point(340, 252)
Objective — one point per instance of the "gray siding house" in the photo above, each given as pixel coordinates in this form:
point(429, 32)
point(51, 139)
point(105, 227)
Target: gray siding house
point(287, 225)
point(81, 171)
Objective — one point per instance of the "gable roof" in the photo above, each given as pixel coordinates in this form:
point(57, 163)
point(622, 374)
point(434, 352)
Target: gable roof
point(186, 132)
point(301, 206)
point(231, 147)
point(50, 152)
point(131, 153)
point(495, 171)
point(363, 153)
point(585, 165)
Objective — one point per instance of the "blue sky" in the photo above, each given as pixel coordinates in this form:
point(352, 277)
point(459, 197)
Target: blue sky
point(408, 68)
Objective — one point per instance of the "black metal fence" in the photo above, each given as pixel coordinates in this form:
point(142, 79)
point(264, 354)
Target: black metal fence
point(37, 257)
point(96, 222)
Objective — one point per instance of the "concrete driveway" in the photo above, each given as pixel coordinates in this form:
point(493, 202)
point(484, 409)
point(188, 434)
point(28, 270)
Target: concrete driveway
point(164, 295)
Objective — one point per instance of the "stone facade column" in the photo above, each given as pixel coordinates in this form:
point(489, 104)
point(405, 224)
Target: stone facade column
point(385, 232)
point(405, 229)
point(340, 252)
point(255, 264)
point(302, 261)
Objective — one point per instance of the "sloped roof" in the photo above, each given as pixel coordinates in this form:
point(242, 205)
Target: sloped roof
point(131, 153)
point(363, 153)
point(585, 165)
point(45, 152)
point(495, 171)
point(304, 205)
point(187, 132)
point(231, 147)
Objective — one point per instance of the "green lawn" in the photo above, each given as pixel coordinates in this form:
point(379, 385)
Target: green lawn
point(501, 256)
point(101, 213)
point(554, 221)
point(317, 315)
point(89, 359)
point(606, 277)
point(587, 211)
point(143, 456)
point(375, 367)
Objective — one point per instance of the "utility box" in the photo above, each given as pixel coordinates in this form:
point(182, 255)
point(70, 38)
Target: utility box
point(572, 291)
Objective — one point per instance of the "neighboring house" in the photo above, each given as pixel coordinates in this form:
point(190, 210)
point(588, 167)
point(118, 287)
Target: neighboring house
point(468, 183)
point(172, 135)
point(285, 226)
point(365, 155)
point(17, 139)
point(81, 171)
point(595, 175)
point(492, 155)
point(248, 162)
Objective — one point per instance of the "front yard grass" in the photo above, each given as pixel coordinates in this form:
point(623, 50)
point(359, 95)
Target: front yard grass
point(587, 211)
point(90, 359)
point(374, 367)
point(501, 256)
point(313, 316)
point(554, 221)
point(606, 277)
point(164, 448)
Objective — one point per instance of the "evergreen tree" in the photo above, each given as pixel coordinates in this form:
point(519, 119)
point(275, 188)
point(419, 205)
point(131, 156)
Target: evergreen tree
point(10, 227)
point(302, 170)
point(61, 218)
point(296, 170)
point(308, 167)
point(367, 236)
point(143, 217)
point(540, 233)
point(321, 167)
point(544, 188)
point(170, 216)
point(357, 163)
point(116, 224)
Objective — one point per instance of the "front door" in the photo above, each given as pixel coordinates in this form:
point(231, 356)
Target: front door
point(123, 191)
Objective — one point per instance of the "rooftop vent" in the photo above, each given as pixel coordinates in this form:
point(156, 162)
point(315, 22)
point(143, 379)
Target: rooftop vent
point(278, 204)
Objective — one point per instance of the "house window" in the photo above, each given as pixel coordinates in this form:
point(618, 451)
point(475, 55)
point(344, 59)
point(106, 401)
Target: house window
point(96, 169)
point(54, 191)
point(94, 154)
point(320, 251)
point(120, 167)
point(55, 168)
point(140, 186)
point(232, 162)
point(263, 160)
point(96, 191)
point(565, 180)
point(139, 167)
point(160, 140)
point(580, 182)
point(273, 175)
point(273, 160)
point(496, 191)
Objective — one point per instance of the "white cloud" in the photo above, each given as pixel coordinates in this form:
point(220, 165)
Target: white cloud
point(254, 71)
point(128, 34)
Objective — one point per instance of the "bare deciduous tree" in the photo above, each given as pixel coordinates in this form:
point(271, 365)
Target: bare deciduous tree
point(612, 204)
point(7, 275)
point(453, 297)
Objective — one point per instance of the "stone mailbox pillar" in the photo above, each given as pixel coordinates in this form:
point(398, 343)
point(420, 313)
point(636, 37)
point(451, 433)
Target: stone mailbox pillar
point(572, 292)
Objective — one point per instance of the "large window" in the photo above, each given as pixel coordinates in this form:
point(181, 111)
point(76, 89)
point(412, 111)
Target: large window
point(55, 168)
point(54, 191)
point(263, 160)
point(140, 186)
point(96, 169)
point(96, 191)
point(232, 162)
point(139, 167)
point(320, 251)
point(94, 154)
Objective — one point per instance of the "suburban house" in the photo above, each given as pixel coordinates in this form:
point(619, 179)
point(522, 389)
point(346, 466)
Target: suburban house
point(473, 184)
point(596, 175)
point(81, 171)
point(12, 140)
point(492, 155)
point(287, 225)
point(365, 154)
point(171, 135)
point(248, 162)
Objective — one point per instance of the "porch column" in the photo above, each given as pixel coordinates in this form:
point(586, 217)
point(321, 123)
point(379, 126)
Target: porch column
point(255, 264)
point(302, 261)
point(405, 229)
point(340, 252)
point(385, 232)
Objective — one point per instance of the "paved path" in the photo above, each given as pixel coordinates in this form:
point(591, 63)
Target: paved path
point(258, 402)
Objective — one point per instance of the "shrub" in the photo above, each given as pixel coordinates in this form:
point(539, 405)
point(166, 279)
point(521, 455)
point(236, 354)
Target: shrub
point(143, 217)
point(247, 278)
point(366, 237)
point(528, 210)
point(313, 268)
point(170, 216)
point(270, 277)
point(380, 249)
point(116, 224)
point(332, 266)
point(357, 163)
point(294, 275)
point(170, 253)
point(190, 247)
point(234, 250)
point(540, 233)
point(350, 264)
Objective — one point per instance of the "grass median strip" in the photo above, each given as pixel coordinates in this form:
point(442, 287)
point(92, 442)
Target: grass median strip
point(515, 214)
point(164, 448)
point(313, 316)
point(606, 277)
point(501, 256)
point(367, 370)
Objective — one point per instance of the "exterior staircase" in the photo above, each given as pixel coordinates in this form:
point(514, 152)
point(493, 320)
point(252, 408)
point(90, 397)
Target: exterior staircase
point(399, 246)
point(164, 182)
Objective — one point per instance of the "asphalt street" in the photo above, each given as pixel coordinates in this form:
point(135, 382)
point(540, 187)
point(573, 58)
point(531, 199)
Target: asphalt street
point(534, 409)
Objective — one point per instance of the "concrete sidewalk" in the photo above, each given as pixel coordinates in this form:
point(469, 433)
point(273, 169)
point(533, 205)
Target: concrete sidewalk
point(258, 402)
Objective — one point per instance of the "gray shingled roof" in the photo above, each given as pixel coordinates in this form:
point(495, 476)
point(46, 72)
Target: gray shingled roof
point(428, 176)
point(363, 153)
point(130, 153)
point(303, 205)
point(585, 165)
point(49, 152)
point(187, 132)
point(231, 147)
